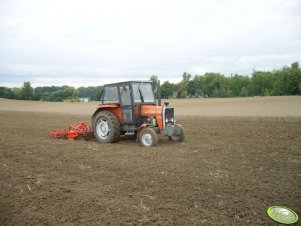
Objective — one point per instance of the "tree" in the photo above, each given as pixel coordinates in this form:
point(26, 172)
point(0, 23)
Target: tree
point(155, 84)
point(95, 94)
point(262, 82)
point(194, 86)
point(214, 83)
point(280, 83)
point(237, 83)
point(167, 89)
point(294, 79)
point(243, 92)
point(17, 93)
point(91, 92)
point(6, 93)
point(26, 91)
point(182, 86)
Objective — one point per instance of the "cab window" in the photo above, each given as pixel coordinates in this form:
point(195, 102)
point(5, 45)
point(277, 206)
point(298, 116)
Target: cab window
point(110, 95)
point(125, 95)
point(143, 92)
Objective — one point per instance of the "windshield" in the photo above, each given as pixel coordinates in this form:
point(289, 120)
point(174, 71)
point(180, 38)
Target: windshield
point(146, 92)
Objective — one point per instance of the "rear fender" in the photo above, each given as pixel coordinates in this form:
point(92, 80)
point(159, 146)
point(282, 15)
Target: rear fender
point(114, 108)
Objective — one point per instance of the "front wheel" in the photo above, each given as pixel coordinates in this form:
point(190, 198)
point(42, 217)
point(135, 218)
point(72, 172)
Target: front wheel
point(148, 137)
point(179, 137)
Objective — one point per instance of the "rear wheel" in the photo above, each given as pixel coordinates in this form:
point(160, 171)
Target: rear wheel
point(178, 138)
point(106, 127)
point(148, 137)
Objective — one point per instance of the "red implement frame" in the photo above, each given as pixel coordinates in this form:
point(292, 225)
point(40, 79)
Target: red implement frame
point(72, 131)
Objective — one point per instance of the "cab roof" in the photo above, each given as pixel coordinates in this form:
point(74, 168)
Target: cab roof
point(117, 83)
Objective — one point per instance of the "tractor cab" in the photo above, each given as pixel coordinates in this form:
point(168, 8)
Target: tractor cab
point(127, 92)
point(128, 95)
point(130, 108)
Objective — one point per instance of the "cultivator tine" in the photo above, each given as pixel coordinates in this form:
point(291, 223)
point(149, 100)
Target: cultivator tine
point(72, 132)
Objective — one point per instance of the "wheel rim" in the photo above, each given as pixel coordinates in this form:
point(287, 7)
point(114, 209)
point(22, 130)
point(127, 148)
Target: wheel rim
point(103, 128)
point(147, 139)
point(175, 137)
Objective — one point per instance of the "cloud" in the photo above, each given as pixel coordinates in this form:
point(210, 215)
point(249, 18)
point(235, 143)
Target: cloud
point(95, 42)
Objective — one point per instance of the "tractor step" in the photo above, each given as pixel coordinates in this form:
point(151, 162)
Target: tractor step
point(129, 133)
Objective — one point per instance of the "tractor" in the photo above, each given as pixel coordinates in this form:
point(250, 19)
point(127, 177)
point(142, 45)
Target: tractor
point(130, 109)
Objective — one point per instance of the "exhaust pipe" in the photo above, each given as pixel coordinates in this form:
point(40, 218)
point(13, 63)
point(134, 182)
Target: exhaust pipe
point(159, 93)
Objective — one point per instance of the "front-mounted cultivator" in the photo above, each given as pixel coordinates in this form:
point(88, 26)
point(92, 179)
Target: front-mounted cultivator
point(73, 132)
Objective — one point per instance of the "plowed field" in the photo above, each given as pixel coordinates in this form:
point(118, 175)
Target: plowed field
point(236, 161)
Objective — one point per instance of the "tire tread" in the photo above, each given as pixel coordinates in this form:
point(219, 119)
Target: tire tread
point(113, 120)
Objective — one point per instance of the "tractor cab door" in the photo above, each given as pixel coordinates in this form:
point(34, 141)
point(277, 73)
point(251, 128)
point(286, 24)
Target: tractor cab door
point(126, 103)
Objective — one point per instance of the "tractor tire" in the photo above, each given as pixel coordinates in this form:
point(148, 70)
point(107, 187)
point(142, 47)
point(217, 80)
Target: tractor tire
point(148, 137)
point(106, 127)
point(178, 138)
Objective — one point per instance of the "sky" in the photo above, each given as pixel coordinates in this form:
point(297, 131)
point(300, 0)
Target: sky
point(95, 42)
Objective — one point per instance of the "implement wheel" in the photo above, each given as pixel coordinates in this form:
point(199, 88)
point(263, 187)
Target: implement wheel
point(106, 127)
point(148, 137)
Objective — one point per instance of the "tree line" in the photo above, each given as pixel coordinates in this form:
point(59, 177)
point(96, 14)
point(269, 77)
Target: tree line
point(51, 93)
point(283, 81)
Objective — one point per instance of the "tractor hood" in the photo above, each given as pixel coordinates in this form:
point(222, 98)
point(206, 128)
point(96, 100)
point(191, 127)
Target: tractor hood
point(151, 110)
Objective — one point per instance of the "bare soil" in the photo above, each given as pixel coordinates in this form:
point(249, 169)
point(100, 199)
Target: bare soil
point(228, 171)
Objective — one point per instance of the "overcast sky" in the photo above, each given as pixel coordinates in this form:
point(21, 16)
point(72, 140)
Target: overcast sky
point(82, 43)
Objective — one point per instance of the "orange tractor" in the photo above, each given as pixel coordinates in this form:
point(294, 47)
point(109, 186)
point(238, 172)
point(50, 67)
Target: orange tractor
point(130, 109)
